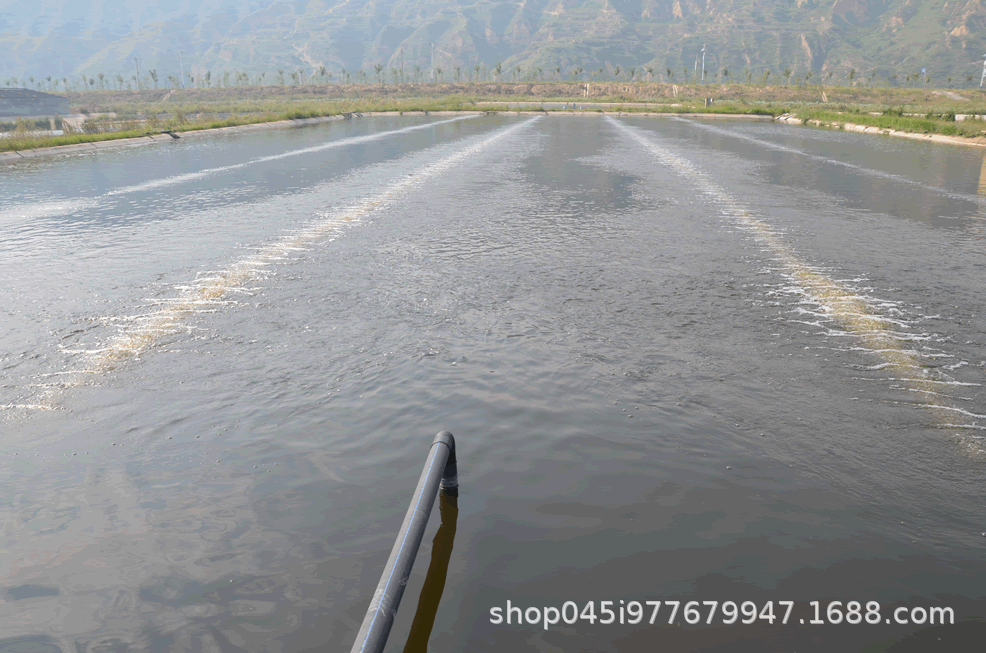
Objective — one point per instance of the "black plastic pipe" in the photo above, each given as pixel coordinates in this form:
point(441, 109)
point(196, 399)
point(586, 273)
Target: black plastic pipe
point(434, 585)
point(440, 471)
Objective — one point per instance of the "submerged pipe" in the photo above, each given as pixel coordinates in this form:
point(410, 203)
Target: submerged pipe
point(440, 470)
point(434, 586)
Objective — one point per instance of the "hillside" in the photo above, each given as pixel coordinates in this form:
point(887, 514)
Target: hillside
point(531, 39)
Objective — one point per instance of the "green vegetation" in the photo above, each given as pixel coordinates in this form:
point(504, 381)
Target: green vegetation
point(943, 123)
point(121, 114)
point(127, 123)
point(22, 124)
point(34, 140)
point(691, 108)
point(284, 98)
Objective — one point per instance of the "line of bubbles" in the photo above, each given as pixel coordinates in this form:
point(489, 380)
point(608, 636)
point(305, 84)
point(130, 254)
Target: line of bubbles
point(213, 289)
point(68, 206)
point(853, 313)
point(845, 164)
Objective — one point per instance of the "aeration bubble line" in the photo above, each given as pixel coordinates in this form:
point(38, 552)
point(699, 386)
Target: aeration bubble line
point(343, 142)
point(853, 313)
point(845, 164)
point(58, 207)
point(141, 334)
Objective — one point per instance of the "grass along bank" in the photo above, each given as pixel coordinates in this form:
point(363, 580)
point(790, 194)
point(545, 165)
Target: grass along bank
point(121, 114)
point(896, 119)
point(197, 117)
point(29, 140)
point(917, 100)
point(127, 120)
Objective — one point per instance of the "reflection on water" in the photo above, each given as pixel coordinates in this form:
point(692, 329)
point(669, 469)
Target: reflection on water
point(215, 288)
point(875, 326)
point(654, 404)
point(434, 583)
point(939, 181)
point(982, 179)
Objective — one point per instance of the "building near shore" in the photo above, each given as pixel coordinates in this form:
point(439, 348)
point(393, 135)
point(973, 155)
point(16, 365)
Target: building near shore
point(25, 103)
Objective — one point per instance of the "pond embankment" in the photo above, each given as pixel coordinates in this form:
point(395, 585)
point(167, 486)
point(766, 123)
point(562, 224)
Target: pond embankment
point(789, 119)
point(793, 119)
point(160, 137)
point(18, 155)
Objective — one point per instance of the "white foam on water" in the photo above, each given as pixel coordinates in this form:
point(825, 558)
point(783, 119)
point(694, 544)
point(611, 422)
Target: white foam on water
point(830, 313)
point(883, 366)
point(87, 352)
point(54, 208)
point(343, 142)
point(140, 332)
point(957, 410)
point(165, 181)
point(845, 164)
point(912, 352)
point(937, 394)
point(48, 209)
point(26, 407)
point(855, 315)
point(878, 318)
point(948, 382)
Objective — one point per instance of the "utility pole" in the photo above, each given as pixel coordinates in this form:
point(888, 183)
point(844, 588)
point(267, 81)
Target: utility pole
point(432, 62)
point(703, 63)
point(137, 66)
point(182, 69)
point(696, 67)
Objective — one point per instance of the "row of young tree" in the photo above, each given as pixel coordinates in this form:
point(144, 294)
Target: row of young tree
point(476, 73)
